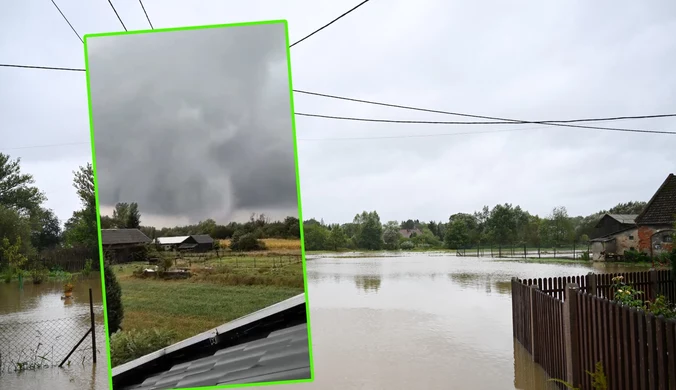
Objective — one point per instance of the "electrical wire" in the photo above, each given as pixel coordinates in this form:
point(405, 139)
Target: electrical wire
point(517, 121)
point(421, 135)
point(66, 19)
point(41, 67)
point(147, 17)
point(118, 15)
point(329, 23)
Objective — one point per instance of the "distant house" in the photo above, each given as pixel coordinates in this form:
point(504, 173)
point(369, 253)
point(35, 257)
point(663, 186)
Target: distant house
point(612, 223)
point(171, 243)
point(193, 243)
point(407, 233)
point(656, 221)
point(119, 245)
point(613, 246)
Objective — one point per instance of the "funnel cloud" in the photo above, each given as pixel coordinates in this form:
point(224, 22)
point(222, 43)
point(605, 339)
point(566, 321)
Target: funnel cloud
point(194, 124)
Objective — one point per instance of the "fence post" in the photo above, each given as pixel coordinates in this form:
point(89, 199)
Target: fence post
point(533, 322)
point(654, 286)
point(91, 315)
point(571, 335)
point(591, 284)
point(524, 251)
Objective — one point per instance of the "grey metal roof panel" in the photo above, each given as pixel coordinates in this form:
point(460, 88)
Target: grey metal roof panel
point(203, 238)
point(279, 356)
point(123, 236)
point(624, 218)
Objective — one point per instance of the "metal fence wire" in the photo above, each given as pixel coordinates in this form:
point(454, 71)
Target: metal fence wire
point(49, 343)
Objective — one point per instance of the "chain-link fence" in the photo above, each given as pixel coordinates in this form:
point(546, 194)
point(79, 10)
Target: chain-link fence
point(48, 343)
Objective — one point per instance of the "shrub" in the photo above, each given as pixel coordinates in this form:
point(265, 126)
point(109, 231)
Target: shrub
point(585, 256)
point(246, 242)
point(87, 268)
point(39, 275)
point(661, 307)
point(113, 300)
point(626, 294)
point(128, 345)
point(636, 257)
point(406, 245)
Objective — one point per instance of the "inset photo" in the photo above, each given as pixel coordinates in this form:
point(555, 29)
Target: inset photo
point(198, 198)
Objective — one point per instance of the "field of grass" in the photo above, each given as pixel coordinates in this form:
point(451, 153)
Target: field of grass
point(276, 245)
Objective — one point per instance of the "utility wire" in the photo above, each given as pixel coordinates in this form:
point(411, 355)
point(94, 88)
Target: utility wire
point(116, 14)
point(481, 123)
point(66, 19)
point(517, 121)
point(41, 67)
point(421, 135)
point(330, 23)
point(147, 17)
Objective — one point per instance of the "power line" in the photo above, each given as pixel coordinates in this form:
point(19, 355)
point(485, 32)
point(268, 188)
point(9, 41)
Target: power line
point(41, 67)
point(421, 135)
point(482, 123)
point(116, 14)
point(66, 19)
point(147, 17)
point(517, 121)
point(330, 23)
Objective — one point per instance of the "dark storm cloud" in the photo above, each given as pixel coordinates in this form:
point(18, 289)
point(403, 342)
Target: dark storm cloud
point(194, 123)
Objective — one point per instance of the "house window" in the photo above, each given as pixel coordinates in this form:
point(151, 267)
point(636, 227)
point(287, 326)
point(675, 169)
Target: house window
point(631, 237)
point(666, 239)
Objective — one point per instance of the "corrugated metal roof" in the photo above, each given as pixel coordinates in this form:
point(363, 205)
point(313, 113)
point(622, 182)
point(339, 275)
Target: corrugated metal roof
point(273, 346)
point(624, 218)
point(123, 236)
point(171, 240)
point(203, 238)
point(282, 355)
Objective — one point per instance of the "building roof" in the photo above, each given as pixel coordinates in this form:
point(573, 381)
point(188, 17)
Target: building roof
point(271, 344)
point(406, 233)
point(661, 209)
point(628, 219)
point(613, 235)
point(187, 246)
point(203, 238)
point(123, 237)
point(171, 240)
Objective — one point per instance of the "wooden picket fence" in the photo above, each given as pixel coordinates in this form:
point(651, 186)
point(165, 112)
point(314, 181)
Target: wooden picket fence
point(568, 324)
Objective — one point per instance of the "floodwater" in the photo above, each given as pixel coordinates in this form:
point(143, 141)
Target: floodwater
point(35, 317)
point(421, 322)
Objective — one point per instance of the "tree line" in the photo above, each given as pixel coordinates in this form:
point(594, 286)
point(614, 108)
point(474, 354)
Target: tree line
point(504, 225)
point(29, 229)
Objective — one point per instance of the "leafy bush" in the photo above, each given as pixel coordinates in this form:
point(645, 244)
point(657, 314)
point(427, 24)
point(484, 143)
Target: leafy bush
point(87, 268)
point(126, 346)
point(585, 256)
point(39, 275)
point(407, 245)
point(246, 242)
point(626, 294)
point(113, 300)
point(636, 257)
point(661, 307)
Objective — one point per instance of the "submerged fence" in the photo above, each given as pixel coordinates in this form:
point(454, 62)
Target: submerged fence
point(521, 251)
point(568, 324)
point(48, 343)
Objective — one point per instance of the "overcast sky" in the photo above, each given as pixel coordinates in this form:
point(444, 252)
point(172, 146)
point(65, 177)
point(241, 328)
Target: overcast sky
point(524, 60)
point(194, 124)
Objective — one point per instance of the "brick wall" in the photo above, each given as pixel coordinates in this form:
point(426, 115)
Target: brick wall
point(644, 235)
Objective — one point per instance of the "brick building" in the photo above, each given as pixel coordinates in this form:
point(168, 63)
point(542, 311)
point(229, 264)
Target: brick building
point(656, 221)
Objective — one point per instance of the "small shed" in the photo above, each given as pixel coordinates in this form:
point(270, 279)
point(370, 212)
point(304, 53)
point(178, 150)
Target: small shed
point(613, 246)
point(171, 243)
point(612, 223)
point(204, 243)
point(120, 245)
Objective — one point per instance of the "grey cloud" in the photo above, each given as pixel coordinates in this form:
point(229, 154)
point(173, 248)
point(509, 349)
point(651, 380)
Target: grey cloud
point(194, 123)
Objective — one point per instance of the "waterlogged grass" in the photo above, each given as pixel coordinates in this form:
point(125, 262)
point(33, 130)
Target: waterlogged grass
point(188, 308)
point(32, 359)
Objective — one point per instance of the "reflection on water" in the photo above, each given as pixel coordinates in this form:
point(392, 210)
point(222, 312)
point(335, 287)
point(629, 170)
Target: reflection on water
point(417, 321)
point(36, 321)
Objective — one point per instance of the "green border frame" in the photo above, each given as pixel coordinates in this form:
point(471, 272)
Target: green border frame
point(300, 209)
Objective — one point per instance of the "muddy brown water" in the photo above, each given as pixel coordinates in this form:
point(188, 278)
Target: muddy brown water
point(37, 315)
point(422, 322)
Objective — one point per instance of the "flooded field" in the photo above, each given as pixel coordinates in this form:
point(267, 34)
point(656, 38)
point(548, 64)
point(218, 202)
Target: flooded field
point(38, 329)
point(421, 321)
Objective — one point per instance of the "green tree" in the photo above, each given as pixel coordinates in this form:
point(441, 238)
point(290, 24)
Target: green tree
point(114, 308)
point(391, 235)
point(46, 230)
point(370, 233)
point(501, 224)
point(316, 237)
point(81, 229)
point(12, 252)
point(17, 190)
point(409, 224)
point(13, 226)
point(457, 234)
point(337, 238)
point(121, 215)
